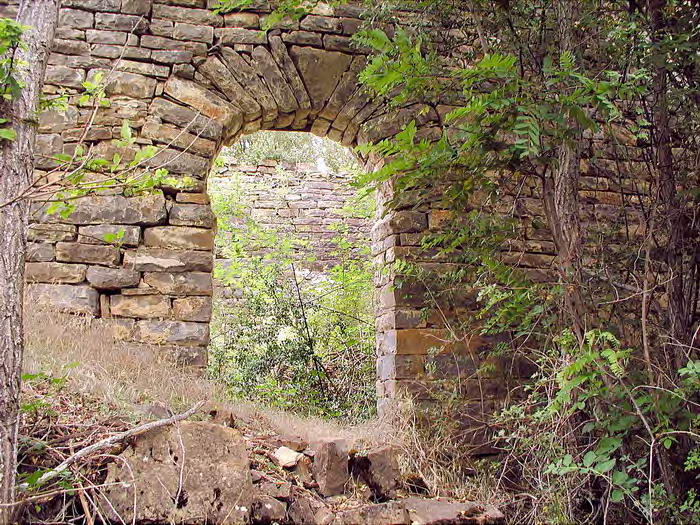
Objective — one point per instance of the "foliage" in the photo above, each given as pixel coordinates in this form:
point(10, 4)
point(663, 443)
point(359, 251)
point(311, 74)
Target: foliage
point(292, 147)
point(10, 86)
point(610, 414)
point(291, 338)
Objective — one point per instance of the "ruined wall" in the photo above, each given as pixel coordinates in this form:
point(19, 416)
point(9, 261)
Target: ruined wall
point(297, 199)
point(190, 81)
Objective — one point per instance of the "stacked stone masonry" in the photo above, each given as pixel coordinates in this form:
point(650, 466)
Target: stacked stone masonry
point(297, 200)
point(189, 81)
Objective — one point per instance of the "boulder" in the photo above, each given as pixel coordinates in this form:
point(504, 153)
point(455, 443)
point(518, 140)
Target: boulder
point(286, 457)
point(441, 512)
point(195, 472)
point(379, 469)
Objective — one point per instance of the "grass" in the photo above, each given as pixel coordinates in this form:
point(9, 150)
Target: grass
point(129, 381)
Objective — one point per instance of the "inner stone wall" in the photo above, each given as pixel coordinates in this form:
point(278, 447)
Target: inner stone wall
point(299, 200)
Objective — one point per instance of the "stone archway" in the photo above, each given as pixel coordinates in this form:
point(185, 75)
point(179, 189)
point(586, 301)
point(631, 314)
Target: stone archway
point(190, 81)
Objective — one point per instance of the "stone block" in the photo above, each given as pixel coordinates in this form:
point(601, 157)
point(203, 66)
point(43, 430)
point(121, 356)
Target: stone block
point(81, 299)
point(40, 252)
point(128, 84)
point(137, 7)
point(121, 22)
point(64, 76)
point(114, 209)
point(192, 215)
point(324, 24)
point(236, 35)
point(87, 253)
point(176, 13)
point(161, 260)
point(172, 332)
point(191, 32)
point(192, 309)
point(51, 232)
point(179, 237)
point(192, 198)
point(321, 71)
point(75, 18)
point(54, 272)
point(112, 278)
point(204, 101)
point(183, 117)
point(140, 306)
point(127, 235)
point(245, 20)
point(183, 283)
point(330, 466)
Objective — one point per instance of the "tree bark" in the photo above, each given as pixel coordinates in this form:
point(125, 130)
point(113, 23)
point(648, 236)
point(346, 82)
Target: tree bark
point(561, 195)
point(16, 171)
point(668, 203)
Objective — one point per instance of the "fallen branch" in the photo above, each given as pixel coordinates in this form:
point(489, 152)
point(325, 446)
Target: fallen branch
point(112, 440)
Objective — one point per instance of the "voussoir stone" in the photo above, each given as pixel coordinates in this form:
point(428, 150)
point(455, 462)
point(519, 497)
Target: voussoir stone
point(172, 332)
point(112, 278)
point(321, 71)
point(140, 306)
point(179, 237)
point(54, 272)
point(163, 260)
point(87, 253)
point(183, 283)
point(80, 299)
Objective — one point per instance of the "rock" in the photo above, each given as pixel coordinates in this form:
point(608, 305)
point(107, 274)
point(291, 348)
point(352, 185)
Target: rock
point(309, 511)
point(172, 332)
point(296, 443)
point(112, 278)
point(330, 466)
point(54, 272)
point(192, 309)
point(390, 513)
point(140, 306)
point(161, 260)
point(268, 510)
point(179, 237)
point(282, 490)
point(192, 198)
point(204, 101)
point(286, 457)
point(302, 471)
point(209, 459)
point(87, 253)
point(65, 298)
point(379, 470)
point(183, 283)
point(441, 512)
point(114, 209)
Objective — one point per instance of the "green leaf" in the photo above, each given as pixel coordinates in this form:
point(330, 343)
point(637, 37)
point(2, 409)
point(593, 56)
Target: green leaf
point(616, 496)
point(605, 466)
point(8, 134)
point(589, 458)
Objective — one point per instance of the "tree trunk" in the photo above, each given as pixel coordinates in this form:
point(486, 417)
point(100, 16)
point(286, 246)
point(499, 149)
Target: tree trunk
point(16, 171)
point(668, 204)
point(561, 195)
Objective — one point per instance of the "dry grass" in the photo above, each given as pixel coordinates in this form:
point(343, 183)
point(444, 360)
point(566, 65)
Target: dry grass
point(131, 379)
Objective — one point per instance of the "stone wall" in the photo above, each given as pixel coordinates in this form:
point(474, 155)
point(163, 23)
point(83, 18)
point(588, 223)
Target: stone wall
point(299, 200)
point(190, 81)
